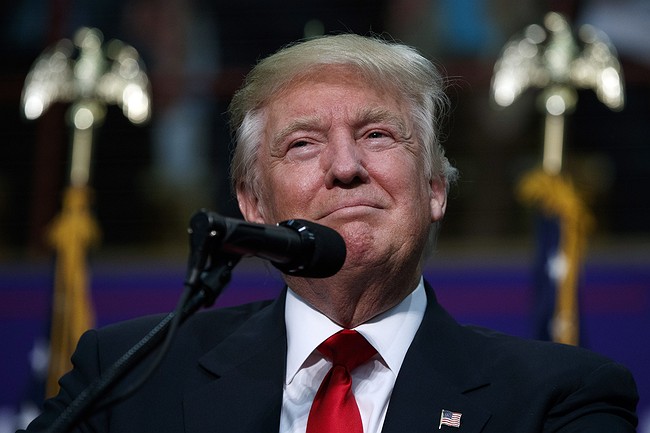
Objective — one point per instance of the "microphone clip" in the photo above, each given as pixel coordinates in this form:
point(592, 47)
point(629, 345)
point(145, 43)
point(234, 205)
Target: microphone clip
point(208, 269)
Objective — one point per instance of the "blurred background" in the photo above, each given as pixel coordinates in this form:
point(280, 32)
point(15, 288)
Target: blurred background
point(149, 179)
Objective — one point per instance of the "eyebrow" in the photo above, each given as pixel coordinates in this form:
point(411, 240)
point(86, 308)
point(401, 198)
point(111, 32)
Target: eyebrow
point(365, 116)
point(300, 124)
point(381, 115)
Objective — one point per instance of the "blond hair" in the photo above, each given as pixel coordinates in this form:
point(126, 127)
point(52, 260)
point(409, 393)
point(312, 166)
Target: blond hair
point(390, 65)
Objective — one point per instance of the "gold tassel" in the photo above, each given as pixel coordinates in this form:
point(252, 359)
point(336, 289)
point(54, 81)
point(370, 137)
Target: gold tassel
point(71, 234)
point(556, 196)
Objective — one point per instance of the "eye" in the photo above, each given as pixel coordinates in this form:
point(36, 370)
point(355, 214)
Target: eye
point(302, 149)
point(376, 134)
point(300, 143)
point(378, 139)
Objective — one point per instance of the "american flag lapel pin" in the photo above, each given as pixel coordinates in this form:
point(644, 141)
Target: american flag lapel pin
point(449, 418)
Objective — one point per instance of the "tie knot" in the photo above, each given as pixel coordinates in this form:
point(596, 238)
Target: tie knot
point(347, 348)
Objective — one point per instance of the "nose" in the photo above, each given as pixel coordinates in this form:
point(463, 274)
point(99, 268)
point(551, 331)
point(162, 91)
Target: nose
point(343, 162)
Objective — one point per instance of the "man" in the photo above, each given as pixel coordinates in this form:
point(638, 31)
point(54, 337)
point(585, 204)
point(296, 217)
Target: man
point(342, 130)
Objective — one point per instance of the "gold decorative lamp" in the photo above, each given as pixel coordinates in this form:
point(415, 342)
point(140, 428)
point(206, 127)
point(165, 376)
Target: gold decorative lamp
point(551, 58)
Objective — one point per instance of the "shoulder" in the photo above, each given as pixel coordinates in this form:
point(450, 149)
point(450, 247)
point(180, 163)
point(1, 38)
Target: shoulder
point(230, 316)
point(99, 349)
point(202, 330)
point(519, 366)
point(515, 362)
point(526, 356)
point(555, 385)
point(567, 379)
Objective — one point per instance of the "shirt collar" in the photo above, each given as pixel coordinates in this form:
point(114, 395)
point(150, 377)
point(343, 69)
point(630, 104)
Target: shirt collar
point(391, 332)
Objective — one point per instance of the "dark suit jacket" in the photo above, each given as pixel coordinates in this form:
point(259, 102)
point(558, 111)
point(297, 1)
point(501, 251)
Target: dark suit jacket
point(225, 372)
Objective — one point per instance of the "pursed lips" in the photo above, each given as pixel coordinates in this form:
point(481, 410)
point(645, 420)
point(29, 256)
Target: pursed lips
point(351, 204)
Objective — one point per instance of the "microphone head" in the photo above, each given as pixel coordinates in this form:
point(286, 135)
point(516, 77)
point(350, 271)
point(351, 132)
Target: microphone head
point(325, 253)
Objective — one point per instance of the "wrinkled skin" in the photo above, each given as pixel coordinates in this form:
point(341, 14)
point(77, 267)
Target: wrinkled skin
point(342, 153)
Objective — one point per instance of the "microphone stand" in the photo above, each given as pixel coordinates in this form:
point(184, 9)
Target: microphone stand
point(208, 273)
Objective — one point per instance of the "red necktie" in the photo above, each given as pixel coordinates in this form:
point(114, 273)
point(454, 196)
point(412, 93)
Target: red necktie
point(334, 409)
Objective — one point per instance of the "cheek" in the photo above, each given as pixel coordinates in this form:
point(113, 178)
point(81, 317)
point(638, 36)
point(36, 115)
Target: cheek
point(289, 193)
point(403, 177)
point(411, 190)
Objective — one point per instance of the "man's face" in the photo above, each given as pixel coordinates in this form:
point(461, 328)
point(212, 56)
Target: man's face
point(342, 153)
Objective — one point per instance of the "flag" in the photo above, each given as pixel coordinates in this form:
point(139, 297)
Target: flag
point(546, 271)
point(449, 418)
point(563, 224)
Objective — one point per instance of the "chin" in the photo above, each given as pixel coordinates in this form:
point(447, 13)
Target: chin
point(361, 242)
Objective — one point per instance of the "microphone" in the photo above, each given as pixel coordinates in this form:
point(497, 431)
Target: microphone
point(296, 247)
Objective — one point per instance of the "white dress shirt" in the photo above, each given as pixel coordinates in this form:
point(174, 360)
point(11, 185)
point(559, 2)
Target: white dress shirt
point(391, 333)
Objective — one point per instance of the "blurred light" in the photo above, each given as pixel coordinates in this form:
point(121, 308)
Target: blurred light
point(555, 105)
point(83, 118)
point(527, 49)
point(535, 33)
point(33, 107)
point(129, 68)
point(611, 88)
point(504, 90)
point(554, 22)
point(136, 103)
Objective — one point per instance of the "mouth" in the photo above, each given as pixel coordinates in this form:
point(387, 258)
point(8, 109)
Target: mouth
point(355, 208)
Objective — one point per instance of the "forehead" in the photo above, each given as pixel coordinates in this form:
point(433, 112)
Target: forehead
point(332, 85)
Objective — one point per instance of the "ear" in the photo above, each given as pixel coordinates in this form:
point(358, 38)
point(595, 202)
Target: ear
point(249, 205)
point(438, 198)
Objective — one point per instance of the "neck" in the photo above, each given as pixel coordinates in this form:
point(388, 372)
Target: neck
point(350, 298)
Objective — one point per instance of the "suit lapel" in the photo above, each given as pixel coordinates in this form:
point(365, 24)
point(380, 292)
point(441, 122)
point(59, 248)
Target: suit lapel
point(244, 392)
point(438, 372)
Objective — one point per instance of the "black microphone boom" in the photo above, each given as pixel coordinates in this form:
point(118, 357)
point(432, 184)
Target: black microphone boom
point(296, 247)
